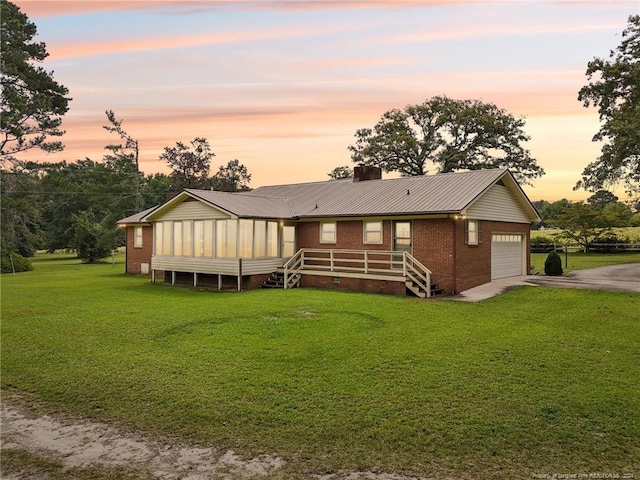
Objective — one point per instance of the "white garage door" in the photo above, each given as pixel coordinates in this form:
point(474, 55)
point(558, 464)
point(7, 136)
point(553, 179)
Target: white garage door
point(506, 255)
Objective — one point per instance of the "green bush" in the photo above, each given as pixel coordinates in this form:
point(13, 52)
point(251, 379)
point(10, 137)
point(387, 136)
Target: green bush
point(12, 261)
point(553, 264)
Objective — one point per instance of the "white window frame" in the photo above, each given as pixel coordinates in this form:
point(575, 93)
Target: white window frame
point(226, 238)
point(245, 238)
point(328, 236)
point(138, 233)
point(366, 231)
point(272, 239)
point(473, 232)
point(157, 238)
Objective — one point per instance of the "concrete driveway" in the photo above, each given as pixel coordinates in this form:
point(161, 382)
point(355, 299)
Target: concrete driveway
point(615, 278)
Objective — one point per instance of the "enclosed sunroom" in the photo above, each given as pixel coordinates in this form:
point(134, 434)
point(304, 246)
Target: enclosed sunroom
point(220, 240)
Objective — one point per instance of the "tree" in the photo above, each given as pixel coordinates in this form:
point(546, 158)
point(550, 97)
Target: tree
point(33, 103)
point(156, 189)
point(602, 198)
point(452, 134)
point(549, 211)
point(91, 239)
point(190, 167)
point(587, 223)
point(124, 157)
point(233, 177)
point(20, 217)
point(341, 172)
point(614, 87)
point(83, 186)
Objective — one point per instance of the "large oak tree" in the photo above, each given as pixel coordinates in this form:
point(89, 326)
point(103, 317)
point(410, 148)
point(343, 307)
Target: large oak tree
point(614, 88)
point(453, 135)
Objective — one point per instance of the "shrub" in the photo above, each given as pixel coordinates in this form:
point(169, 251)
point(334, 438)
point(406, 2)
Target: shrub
point(12, 261)
point(553, 264)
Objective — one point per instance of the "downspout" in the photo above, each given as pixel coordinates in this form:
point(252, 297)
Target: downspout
point(126, 248)
point(455, 254)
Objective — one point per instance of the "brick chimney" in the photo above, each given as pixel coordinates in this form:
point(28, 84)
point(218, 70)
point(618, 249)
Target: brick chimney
point(362, 173)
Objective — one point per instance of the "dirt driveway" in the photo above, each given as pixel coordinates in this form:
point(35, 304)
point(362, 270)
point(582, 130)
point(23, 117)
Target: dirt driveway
point(82, 443)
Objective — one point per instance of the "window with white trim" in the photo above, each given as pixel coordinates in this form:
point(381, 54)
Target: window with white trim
point(208, 238)
point(226, 238)
point(245, 237)
point(372, 232)
point(167, 228)
point(260, 238)
point(157, 230)
point(187, 237)
point(137, 237)
point(272, 239)
point(203, 238)
point(472, 232)
point(328, 232)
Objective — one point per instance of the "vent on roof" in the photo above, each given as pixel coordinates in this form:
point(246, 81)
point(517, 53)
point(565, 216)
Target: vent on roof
point(366, 172)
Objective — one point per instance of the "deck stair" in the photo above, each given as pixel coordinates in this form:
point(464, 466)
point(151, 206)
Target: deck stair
point(417, 290)
point(276, 280)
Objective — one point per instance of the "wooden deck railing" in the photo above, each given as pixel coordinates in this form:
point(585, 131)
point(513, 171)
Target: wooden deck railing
point(364, 262)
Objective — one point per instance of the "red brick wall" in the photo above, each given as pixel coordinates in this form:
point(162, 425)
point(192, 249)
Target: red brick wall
point(440, 244)
point(349, 236)
point(473, 262)
point(354, 284)
point(136, 256)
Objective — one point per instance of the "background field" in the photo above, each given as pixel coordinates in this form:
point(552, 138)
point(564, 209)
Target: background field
point(537, 380)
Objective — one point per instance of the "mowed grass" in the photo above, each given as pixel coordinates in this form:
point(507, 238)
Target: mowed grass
point(534, 381)
point(580, 260)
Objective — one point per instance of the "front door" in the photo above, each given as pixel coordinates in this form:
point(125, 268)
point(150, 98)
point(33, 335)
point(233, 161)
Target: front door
point(401, 240)
point(288, 241)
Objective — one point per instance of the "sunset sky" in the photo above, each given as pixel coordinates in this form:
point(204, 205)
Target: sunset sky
point(282, 86)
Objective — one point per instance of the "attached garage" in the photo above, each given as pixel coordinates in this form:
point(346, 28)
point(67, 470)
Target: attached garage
point(507, 256)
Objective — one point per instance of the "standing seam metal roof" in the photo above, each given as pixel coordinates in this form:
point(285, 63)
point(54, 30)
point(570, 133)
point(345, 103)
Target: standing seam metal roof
point(433, 194)
point(442, 193)
point(247, 205)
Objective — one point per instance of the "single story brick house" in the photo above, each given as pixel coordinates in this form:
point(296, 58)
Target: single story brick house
point(422, 235)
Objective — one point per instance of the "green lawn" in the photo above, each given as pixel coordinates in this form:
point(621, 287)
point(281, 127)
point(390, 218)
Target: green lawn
point(535, 381)
point(580, 260)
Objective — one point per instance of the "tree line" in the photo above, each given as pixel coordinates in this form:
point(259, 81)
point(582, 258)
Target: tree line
point(586, 223)
point(68, 205)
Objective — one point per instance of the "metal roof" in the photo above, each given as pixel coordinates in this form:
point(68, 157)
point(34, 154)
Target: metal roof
point(433, 194)
point(136, 217)
point(247, 204)
point(441, 193)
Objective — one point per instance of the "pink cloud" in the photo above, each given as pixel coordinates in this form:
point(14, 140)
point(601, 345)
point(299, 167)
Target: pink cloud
point(109, 46)
point(46, 8)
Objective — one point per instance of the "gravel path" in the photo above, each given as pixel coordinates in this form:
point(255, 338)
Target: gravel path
point(83, 443)
point(80, 444)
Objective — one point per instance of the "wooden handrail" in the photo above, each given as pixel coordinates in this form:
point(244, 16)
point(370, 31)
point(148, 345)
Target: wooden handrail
point(363, 261)
point(292, 267)
point(417, 272)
